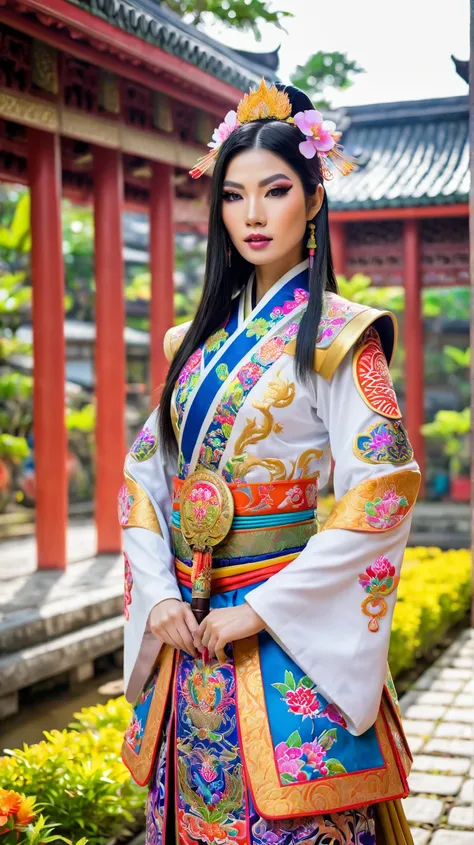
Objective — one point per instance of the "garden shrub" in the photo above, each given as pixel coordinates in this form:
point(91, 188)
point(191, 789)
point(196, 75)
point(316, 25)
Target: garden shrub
point(434, 594)
point(77, 777)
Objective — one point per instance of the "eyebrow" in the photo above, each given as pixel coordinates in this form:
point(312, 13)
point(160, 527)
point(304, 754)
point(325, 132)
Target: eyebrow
point(229, 184)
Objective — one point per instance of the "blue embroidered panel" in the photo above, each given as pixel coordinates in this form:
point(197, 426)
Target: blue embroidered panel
point(136, 728)
point(310, 735)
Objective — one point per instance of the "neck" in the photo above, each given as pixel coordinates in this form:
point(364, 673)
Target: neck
point(267, 274)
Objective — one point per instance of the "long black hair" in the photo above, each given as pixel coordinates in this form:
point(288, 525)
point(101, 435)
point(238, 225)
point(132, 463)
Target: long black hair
point(221, 281)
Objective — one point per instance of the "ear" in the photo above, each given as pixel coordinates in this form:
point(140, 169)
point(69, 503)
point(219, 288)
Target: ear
point(315, 202)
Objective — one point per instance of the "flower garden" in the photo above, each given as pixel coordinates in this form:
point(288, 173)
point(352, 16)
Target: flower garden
point(72, 787)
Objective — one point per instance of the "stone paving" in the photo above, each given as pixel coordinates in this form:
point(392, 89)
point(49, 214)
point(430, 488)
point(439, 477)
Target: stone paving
point(438, 714)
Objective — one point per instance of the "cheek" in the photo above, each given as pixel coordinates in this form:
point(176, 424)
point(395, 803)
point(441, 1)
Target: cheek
point(290, 218)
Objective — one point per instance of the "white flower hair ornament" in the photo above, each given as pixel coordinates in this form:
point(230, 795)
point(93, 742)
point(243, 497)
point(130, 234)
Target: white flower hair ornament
point(321, 139)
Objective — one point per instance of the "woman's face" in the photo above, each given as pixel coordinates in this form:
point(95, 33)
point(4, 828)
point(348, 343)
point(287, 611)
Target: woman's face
point(263, 196)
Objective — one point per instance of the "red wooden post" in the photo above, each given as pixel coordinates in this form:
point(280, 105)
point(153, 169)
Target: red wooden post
point(162, 265)
point(110, 345)
point(414, 361)
point(50, 439)
point(337, 231)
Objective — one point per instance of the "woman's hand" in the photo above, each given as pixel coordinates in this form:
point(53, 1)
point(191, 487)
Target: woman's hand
point(174, 622)
point(225, 625)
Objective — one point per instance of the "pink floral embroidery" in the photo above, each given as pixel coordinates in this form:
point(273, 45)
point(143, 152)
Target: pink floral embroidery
point(249, 374)
point(127, 593)
point(271, 349)
point(312, 495)
point(294, 497)
point(302, 701)
point(125, 502)
point(378, 581)
point(199, 493)
point(387, 511)
point(133, 734)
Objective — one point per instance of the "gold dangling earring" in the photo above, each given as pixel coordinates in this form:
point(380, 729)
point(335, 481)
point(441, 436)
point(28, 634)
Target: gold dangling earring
point(311, 244)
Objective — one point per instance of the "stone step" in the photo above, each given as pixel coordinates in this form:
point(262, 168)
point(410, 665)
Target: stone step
point(28, 666)
point(32, 626)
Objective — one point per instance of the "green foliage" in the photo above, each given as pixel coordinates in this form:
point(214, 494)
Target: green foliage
point(81, 420)
point(77, 776)
point(16, 236)
point(243, 14)
point(324, 71)
point(456, 358)
point(452, 429)
point(433, 595)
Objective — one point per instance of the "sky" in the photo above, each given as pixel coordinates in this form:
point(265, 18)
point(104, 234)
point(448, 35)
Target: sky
point(405, 46)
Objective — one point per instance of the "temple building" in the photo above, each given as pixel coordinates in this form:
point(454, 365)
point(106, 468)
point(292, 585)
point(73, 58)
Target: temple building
point(110, 103)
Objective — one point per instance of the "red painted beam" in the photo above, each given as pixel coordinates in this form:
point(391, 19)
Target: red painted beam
point(134, 49)
point(50, 439)
point(161, 265)
point(414, 353)
point(415, 213)
point(110, 345)
point(337, 231)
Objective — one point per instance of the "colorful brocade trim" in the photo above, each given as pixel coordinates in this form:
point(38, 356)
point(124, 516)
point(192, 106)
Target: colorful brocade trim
point(376, 504)
point(135, 509)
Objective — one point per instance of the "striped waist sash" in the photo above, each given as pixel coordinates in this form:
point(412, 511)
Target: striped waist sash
point(282, 509)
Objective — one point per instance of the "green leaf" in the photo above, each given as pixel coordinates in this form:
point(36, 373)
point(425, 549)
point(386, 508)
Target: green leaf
point(226, 430)
point(306, 682)
point(335, 767)
point(294, 740)
point(285, 777)
point(328, 738)
point(289, 680)
point(282, 688)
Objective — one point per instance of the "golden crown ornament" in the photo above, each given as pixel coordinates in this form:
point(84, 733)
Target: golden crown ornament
point(265, 103)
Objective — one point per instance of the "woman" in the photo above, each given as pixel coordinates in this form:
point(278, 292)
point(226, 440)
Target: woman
point(269, 716)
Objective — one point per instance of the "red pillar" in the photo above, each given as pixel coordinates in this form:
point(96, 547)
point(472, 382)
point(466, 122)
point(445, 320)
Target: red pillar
point(338, 235)
point(414, 361)
point(161, 265)
point(110, 345)
point(50, 439)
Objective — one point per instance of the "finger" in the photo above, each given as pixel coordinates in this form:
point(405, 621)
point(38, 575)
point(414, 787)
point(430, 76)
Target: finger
point(198, 641)
point(206, 636)
point(220, 652)
point(186, 637)
point(167, 638)
point(191, 620)
point(212, 645)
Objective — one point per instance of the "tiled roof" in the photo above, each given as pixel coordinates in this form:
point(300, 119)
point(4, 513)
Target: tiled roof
point(410, 154)
point(153, 22)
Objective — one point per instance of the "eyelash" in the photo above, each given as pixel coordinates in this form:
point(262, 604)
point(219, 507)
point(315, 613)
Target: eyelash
point(227, 194)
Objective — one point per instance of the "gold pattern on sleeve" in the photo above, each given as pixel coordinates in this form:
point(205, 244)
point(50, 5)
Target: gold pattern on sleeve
point(376, 504)
point(135, 507)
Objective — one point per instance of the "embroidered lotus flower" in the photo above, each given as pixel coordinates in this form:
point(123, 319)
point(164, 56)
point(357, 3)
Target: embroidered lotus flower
point(385, 512)
point(199, 512)
point(320, 132)
point(125, 502)
point(202, 493)
point(302, 701)
point(380, 439)
point(229, 124)
point(381, 568)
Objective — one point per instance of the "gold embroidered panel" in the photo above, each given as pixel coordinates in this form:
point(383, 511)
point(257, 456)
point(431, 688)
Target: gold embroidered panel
point(376, 504)
point(140, 765)
point(305, 798)
point(135, 508)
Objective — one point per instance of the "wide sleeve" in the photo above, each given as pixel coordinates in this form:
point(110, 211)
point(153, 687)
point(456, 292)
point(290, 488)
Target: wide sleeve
point(145, 514)
point(331, 608)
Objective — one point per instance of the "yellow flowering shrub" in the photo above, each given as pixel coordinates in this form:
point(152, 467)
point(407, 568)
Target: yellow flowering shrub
point(434, 593)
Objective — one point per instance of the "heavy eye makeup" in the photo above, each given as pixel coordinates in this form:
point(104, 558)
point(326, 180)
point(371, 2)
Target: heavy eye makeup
point(280, 190)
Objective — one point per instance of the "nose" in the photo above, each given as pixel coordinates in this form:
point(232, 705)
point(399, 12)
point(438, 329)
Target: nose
point(255, 213)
